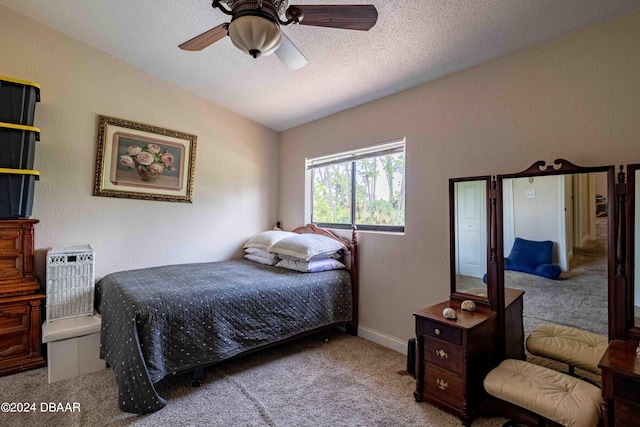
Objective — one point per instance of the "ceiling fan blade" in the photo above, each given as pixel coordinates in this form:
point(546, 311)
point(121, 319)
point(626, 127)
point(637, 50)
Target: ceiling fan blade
point(206, 39)
point(350, 17)
point(290, 55)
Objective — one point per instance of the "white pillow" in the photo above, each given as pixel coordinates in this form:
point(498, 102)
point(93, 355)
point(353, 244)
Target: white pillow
point(335, 255)
point(307, 246)
point(260, 252)
point(271, 260)
point(266, 239)
point(311, 266)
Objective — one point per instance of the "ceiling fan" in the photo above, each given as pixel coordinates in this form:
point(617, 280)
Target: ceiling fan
point(255, 26)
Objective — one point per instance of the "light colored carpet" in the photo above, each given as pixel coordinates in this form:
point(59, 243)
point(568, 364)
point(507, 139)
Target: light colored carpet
point(347, 382)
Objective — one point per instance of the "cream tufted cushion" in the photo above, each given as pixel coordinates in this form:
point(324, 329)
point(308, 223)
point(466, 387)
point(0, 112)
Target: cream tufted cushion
point(573, 346)
point(556, 396)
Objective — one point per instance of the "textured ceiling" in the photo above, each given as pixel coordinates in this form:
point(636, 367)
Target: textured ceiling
point(414, 41)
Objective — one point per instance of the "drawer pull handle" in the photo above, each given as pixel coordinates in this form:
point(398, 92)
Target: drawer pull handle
point(437, 331)
point(442, 384)
point(442, 354)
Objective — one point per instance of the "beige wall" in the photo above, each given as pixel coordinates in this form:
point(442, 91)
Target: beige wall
point(577, 98)
point(236, 179)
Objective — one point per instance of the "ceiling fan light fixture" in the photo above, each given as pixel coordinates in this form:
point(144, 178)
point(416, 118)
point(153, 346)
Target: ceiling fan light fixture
point(255, 35)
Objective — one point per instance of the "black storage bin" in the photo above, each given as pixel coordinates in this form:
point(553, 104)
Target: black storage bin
point(17, 145)
point(16, 192)
point(18, 100)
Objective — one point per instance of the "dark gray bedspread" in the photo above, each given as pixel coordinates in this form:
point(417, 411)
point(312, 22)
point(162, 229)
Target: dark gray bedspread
point(163, 320)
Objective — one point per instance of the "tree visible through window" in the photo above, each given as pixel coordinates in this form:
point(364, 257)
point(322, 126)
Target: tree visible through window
point(363, 187)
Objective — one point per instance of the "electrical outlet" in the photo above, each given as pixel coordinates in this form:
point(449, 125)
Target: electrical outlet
point(530, 194)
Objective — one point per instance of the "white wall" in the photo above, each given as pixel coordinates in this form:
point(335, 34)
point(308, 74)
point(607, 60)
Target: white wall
point(576, 98)
point(236, 178)
point(538, 218)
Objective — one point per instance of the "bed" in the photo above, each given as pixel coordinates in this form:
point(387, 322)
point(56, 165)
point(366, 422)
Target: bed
point(179, 318)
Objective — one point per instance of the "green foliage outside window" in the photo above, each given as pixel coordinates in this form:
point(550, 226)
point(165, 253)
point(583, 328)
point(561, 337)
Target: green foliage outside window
point(379, 192)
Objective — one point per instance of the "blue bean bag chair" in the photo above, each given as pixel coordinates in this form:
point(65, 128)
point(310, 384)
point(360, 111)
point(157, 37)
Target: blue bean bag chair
point(532, 257)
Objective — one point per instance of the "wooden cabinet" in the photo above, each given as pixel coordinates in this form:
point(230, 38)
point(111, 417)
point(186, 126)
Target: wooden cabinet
point(20, 299)
point(454, 356)
point(20, 345)
point(620, 384)
point(16, 258)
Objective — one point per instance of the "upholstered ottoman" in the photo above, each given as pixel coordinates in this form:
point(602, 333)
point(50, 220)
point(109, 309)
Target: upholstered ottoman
point(531, 390)
point(572, 346)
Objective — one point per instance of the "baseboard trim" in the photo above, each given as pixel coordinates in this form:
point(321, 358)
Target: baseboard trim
point(382, 339)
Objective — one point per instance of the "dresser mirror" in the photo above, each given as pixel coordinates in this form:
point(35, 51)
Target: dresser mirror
point(573, 207)
point(556, 226)
point(469, 224)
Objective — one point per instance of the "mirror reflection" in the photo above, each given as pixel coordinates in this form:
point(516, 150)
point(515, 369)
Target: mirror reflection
point(555, 248)
point(469, 220)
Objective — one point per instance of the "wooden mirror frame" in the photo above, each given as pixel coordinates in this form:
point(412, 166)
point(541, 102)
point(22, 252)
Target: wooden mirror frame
point(489, 301)
point(625, 319)
point(615, 230)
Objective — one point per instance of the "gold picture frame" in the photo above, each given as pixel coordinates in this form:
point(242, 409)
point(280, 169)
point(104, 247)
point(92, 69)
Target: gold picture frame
point(139, 161)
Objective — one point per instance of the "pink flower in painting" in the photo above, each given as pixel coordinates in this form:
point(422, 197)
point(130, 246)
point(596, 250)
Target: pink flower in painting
point(148, 158)
point(167, 159)
point(127, 161)
point(145, 158)
point(134, 150)
point(156, 167)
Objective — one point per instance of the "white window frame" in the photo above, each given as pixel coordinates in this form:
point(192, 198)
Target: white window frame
point(351, 156)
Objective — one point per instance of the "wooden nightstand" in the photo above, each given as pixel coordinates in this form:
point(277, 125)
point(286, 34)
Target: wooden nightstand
point(620, 384)
point(454, 356)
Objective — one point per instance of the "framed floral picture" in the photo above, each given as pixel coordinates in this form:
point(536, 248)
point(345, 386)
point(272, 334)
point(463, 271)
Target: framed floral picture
point(138, 161)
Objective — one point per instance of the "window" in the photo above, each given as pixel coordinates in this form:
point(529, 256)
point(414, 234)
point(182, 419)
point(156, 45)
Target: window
point(364, 187)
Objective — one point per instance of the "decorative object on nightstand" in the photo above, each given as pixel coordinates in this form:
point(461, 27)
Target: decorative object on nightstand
point(468, 305)
point(449, 313)
point(72, 330)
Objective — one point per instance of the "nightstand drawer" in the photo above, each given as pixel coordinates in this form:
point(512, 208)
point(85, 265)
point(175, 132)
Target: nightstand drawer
point(626, 388)
point(625, 412)
point(444, 354)
point(440, 331)
point(443, 385)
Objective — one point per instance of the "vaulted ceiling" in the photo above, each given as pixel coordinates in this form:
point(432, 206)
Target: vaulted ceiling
point(413, 42)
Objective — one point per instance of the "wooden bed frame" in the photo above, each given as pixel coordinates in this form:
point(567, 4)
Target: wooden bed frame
point(352, 264)
point(351, 327)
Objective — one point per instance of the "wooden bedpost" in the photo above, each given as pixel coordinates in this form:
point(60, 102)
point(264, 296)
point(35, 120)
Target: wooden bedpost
point(352, 246)
point(352, 327)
